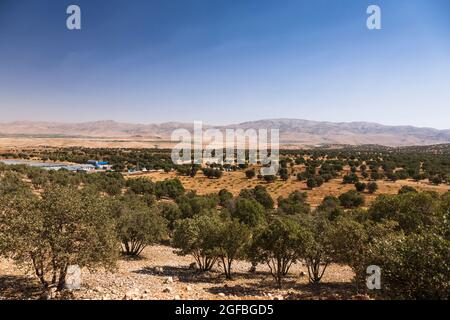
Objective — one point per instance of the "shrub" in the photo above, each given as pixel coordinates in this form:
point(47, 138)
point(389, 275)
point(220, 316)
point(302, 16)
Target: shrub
point(406, 189)
point(411, 210)
point(171, 188)
point(141, 186)
point(224, 197)
point(192, 204)
point(212, 173)
point(351, 199)
point(360, 186)
point(270, 178)
point(295, 203)
point(372, 187)
point(250, 173)
point(260, 194)
point(415, 266)
point(171, 212)
point(351, 178)
point(311, 183)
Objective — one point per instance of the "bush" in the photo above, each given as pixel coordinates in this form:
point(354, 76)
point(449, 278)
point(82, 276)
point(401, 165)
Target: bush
point(415, 266)
point(212, 173)
point(171, 188)
point(192, 204)
point(372, 187)
point(171, 212)
point(260, 194)
point(411, 210)
point(351, 199)
point(295, 203)
point(224, 197)
point(330, 208)
point(250, 173)
point(270, 178)
point(351, 178)
point(360, 186)
point(406, 189)
point(311, 183)
point(141, 186)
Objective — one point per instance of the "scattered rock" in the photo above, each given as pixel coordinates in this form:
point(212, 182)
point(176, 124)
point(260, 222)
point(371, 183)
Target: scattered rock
point(168, 280)
point(167, 290)
point(131, 294)
point(302, 274)
point(221, 294)
point(361, 297)
point(159, 269)
point(51, 294)
point(177, 297)
point(193, 266)
point(188, 288)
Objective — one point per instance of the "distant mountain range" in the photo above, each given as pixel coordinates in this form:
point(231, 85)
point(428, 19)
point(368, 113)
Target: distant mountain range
point(292, 131)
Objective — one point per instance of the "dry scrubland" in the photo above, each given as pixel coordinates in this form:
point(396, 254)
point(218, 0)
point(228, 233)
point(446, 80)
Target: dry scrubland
point(161, 274)
point(236, 181)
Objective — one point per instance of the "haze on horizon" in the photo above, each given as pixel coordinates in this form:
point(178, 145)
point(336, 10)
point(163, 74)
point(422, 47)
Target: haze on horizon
point(222, 63)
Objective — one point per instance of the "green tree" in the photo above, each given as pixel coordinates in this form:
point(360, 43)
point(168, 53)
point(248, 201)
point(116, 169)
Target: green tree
point(198, 237)
point(295, 203)
point(247, 211)
point(172, 213)
point(66, 226)
point(319, 250)
point(139, 226)
point(233, 237)
point(279, 244)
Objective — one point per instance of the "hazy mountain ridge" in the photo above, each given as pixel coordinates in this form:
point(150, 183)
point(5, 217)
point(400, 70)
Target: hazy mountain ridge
point(292, 131)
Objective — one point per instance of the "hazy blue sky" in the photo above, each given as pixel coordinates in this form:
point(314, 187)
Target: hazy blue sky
point(224, 61)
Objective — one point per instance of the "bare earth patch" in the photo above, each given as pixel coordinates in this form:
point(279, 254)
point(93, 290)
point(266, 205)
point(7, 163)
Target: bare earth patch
point(162, 274)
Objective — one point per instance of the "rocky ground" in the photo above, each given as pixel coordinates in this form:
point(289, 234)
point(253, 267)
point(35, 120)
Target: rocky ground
point(162, 274)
